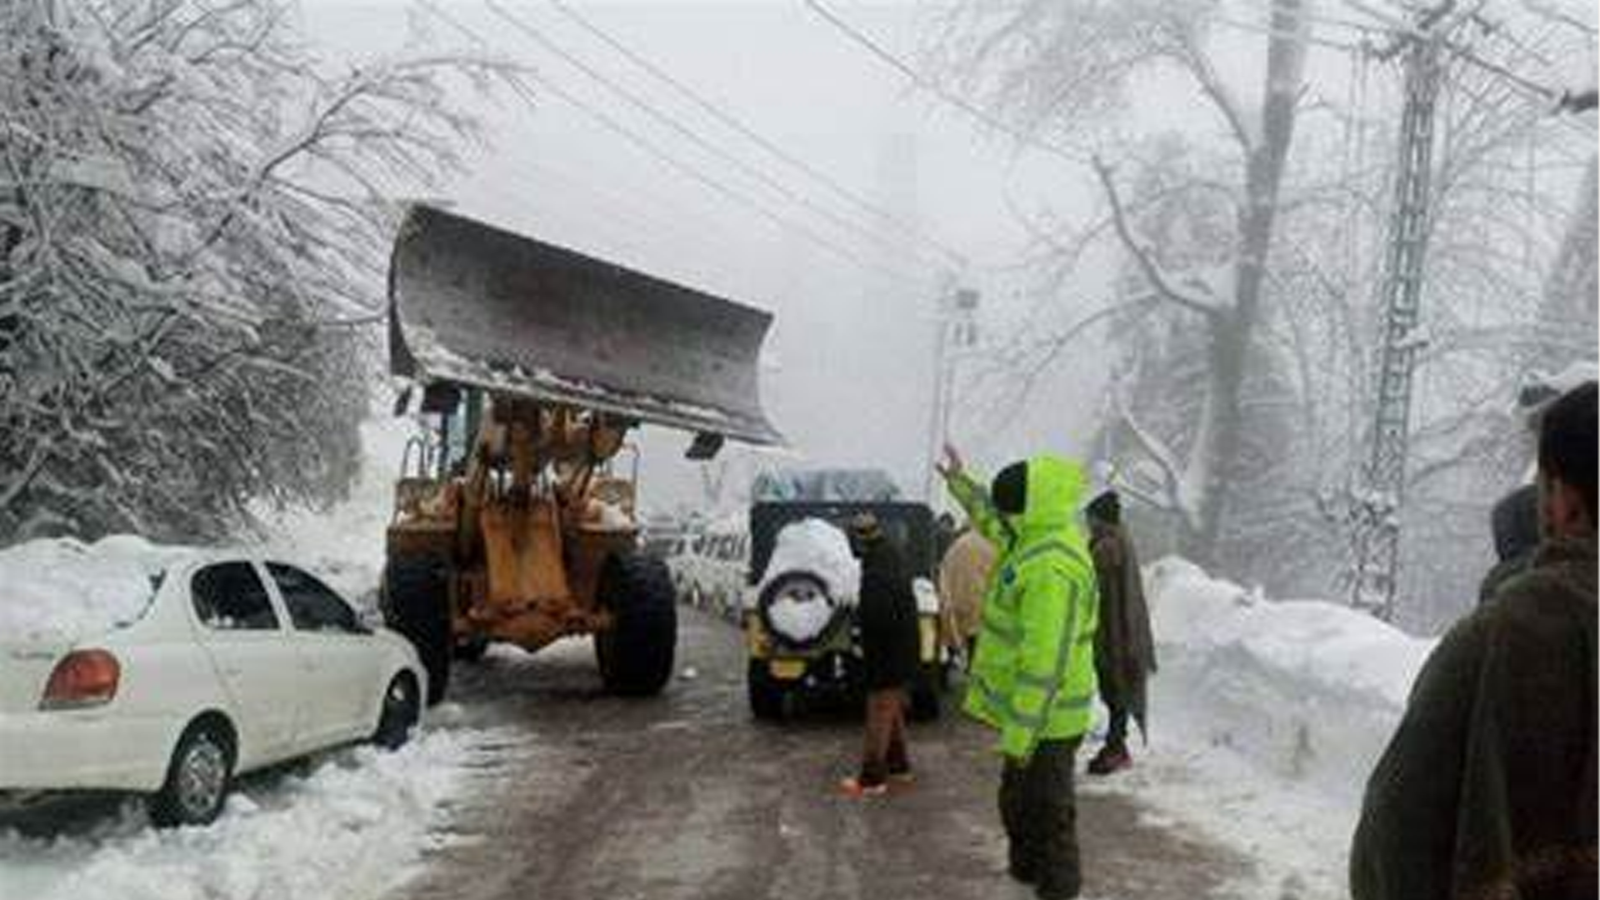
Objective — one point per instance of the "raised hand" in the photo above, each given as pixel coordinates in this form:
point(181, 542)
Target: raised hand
point(952, 464)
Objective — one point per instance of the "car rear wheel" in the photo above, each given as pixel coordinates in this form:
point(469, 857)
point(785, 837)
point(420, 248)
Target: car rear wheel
point(636, 652)
point(401, 710)
point(416, 603)
point(198, 778)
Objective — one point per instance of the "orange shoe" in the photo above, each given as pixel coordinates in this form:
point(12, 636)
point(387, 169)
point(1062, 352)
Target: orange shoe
point(855, 790)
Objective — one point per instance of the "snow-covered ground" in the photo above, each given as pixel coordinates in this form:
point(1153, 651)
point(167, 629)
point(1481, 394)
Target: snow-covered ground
point(353, 828)
point(1266, 718)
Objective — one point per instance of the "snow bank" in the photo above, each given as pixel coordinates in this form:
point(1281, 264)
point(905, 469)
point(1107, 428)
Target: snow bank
point(1307, 689)
point(64, 589)
point(352, 829)
point(1266, 719)
point(345, 544)
point(818, 547)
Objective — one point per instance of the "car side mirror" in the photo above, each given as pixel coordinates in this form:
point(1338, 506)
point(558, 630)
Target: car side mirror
point(370, 619)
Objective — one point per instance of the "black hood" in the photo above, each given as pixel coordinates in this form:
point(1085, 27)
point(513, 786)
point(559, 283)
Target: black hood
point(1515, 522)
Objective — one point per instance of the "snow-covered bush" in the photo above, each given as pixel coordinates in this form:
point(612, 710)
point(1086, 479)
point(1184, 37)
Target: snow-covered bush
point(192, 220)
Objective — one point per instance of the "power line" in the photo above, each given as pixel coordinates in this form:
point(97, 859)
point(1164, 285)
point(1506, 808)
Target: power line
point(615, 209)
point(1271, 32)
point(677, 127)
point(667, 159)
point(1543, 92)
point(1401, 31)
point(918, 81)
point(738, 125)
point(1313, 17)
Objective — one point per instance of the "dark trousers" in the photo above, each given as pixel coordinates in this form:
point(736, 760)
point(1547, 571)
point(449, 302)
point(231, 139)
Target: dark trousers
point(1040, 817)
point(1117, 730)
point(885, 751)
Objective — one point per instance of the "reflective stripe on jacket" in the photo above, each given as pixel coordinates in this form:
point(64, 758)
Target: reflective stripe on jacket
point(1033, 676)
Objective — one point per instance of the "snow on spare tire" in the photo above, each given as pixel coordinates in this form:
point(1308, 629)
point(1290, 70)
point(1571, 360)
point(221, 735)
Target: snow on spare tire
point(811, 576)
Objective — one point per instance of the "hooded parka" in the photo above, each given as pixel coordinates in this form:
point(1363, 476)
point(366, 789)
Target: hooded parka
point(1033, 677)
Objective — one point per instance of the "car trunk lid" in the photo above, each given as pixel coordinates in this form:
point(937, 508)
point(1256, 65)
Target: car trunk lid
point(25, 667)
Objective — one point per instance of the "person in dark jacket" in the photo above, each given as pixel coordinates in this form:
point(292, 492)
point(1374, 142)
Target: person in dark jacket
point(1487, 789)
point(1515, 525)
point(1124, 650)
point(890, 639)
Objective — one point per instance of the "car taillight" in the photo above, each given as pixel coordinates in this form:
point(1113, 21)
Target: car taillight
point(82, 678)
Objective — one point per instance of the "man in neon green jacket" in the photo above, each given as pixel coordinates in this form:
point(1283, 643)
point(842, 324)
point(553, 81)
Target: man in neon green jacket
point(1033, 677)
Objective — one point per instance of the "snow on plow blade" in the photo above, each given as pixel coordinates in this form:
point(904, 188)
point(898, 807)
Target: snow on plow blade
point(472, 304)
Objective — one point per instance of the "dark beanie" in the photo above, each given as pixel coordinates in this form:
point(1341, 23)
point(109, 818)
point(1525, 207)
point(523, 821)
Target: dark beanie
point(1567, 442)
point(1106, 508)
point(1010, 489)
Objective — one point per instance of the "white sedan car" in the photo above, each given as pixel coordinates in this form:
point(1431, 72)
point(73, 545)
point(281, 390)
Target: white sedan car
point(235, 663)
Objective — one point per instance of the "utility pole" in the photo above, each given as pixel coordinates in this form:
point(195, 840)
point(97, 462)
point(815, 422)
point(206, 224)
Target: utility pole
point(956, 329)
point(1378, 504)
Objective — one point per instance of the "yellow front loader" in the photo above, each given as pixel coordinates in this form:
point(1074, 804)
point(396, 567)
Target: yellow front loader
point(512, 521)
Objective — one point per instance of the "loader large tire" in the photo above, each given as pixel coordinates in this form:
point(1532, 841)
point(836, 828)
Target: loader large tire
point(416, 603)
point(636, 653)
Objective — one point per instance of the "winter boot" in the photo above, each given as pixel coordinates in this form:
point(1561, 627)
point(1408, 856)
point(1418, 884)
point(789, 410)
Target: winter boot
point(1110, 759)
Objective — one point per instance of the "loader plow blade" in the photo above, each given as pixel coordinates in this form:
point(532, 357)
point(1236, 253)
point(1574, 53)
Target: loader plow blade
point(475, 305)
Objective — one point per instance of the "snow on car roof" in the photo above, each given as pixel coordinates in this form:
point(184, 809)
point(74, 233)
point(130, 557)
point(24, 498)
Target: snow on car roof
point(63, 588)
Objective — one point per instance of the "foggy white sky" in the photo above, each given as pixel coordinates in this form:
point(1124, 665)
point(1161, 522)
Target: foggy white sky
point(852, 347)
point(850, 374)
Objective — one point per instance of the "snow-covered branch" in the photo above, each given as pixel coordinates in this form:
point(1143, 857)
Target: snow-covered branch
point(188, 200)
point(1194, 59)
point(1148, 266)
point(1177, 494)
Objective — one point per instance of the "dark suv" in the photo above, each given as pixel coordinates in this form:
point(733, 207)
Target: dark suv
point(826, 658)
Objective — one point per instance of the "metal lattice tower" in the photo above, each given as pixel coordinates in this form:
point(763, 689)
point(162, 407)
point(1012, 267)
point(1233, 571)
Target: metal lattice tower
point(1377, 506)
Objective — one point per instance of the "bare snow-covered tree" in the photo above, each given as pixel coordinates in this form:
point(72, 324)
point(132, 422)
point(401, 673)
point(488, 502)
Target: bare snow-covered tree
point(1064, 71)
point(1187, 211)
point(193, 217)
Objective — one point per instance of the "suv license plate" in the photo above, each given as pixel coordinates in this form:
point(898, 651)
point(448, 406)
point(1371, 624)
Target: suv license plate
point(788, 669)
